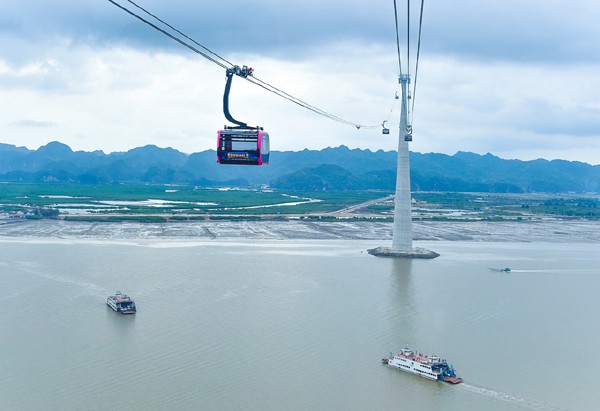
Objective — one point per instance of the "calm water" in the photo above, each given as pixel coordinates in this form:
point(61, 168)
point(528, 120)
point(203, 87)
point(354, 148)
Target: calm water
point(296, 326)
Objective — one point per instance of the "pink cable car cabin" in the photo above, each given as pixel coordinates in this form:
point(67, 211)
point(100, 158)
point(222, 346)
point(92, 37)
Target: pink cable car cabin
point(243, 146)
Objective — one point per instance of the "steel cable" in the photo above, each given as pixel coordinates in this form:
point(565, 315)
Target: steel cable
point(417, 62)
point(252, 79)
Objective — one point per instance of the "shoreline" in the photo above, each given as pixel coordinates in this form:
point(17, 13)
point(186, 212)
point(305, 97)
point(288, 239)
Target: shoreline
point(553, 231)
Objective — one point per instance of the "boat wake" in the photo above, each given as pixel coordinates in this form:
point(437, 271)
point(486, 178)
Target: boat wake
point(549, 271)
point(502, 396)
point(560, 271)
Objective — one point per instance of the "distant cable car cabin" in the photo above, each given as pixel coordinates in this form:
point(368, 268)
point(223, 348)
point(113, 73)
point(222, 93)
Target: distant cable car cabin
point(384, 130)
point(408, 135)
point(241, 145)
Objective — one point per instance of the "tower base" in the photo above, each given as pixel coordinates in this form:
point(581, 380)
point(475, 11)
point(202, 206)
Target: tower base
point(416, 252)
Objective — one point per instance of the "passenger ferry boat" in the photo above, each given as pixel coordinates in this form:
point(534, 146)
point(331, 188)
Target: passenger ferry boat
point(432, 366)
point(121, 303)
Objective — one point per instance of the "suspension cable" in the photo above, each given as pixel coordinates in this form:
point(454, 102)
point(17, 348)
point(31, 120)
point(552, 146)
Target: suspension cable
point(175, 29)
point(304, 104)
point(408, 38)
point(166, 33)
point(392, 108)
point(417, 62)
point(252, 79)
point(397, 38)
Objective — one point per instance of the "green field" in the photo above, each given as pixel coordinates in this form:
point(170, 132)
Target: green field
point(157, 203)
point(148, 202)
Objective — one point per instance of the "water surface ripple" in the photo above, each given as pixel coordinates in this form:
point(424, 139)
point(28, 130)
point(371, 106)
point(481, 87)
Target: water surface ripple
point(295, 325)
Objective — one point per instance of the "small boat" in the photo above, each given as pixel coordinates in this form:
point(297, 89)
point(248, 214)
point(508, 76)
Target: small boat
point(431, 367)
point(121, 303)
point(502, 270)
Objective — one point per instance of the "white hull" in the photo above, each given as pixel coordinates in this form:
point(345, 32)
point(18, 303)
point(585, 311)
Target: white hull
point(431, 367)
point(413, 367)
point(111, 304)
point(121, 303)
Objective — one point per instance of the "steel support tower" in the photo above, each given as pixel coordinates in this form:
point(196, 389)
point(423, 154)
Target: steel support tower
point(402, 245)
point(402, 230)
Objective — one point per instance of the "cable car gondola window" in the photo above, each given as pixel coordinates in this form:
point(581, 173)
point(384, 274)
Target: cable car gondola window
point(265, 150)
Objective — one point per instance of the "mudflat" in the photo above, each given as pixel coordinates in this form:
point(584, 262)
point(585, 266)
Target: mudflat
point(568, 231)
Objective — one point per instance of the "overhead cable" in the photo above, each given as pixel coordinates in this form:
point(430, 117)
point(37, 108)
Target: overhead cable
point(417, 63)
point(304, 104)
point(175, 29)
point(408, 37)
point(216, 59)
point(166, 33)
point(397, 38)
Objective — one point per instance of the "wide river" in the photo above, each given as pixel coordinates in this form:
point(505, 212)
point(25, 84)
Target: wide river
point(295, 325)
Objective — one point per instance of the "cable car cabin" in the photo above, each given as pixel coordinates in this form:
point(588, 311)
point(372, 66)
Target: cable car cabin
point(408, 135)
point(243, 146)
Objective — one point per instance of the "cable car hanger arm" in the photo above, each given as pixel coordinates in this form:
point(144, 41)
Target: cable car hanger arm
point(242, 72)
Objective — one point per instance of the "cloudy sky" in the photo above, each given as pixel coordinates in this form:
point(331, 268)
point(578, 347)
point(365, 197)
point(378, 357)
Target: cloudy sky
point(516, 78)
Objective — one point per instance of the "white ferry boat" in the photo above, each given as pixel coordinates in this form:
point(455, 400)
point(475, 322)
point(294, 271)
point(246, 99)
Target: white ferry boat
point(121, 303)
point(432, 366)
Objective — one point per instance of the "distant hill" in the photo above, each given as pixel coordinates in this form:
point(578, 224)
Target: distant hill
point(337, 168)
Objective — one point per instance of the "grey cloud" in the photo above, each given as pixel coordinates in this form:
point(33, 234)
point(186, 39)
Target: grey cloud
point(546, 118)
point(530, 31)
point(534, 30)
